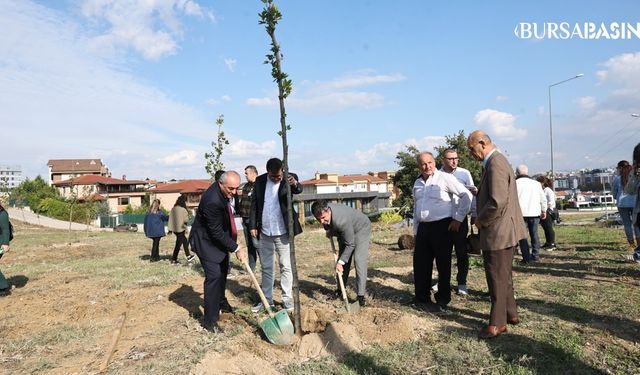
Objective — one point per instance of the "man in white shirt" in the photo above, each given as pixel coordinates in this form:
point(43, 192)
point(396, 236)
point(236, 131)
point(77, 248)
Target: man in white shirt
point(268, 221)
point(534, 207)
point(436, 220)
point(450, 165)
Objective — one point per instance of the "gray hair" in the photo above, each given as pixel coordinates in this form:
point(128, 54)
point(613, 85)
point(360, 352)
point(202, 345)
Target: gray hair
point(522, 170)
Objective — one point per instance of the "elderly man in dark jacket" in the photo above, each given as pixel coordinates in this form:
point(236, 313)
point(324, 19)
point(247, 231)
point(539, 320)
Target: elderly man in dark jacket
point(353, 230)
point(213, 237)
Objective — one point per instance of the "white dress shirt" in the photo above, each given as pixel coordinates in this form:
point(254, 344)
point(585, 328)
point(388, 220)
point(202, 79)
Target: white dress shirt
point(465, 178)
point(272, 220)
point(433, 199)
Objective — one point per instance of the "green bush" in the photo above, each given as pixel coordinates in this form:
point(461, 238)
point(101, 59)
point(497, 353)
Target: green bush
point(61, 210)
point(389, 217)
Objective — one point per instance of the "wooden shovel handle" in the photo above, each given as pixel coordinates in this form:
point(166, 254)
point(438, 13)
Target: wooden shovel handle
point(265, 303)
point(340, 281)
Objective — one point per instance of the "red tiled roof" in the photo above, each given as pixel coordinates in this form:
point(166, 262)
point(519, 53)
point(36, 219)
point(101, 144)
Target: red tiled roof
point(78, 165)
point(95, 180)
point(185, 186)
point(348, 179)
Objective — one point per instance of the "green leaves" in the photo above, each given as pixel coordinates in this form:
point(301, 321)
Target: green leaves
point(214, 162)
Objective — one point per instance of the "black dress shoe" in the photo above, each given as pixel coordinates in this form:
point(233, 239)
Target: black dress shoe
point(226, 307)
point(213, 328)
point(362, 301)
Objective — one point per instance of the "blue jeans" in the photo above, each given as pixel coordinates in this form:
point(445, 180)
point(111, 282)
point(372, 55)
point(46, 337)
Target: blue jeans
point(531, 223)
point(626, 213)
point(268, 247)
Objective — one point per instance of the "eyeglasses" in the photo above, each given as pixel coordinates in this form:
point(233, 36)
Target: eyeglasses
point(233, 188)
point(452, 159)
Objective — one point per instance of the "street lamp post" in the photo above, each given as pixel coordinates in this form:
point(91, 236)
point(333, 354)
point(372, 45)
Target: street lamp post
point(553, 176)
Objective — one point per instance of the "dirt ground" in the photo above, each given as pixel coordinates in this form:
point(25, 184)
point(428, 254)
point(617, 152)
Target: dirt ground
point(72, 290)
point(60, 317)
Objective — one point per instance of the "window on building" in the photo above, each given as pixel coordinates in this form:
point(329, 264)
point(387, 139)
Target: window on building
point(123, 201)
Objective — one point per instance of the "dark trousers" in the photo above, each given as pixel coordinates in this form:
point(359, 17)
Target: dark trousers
point(497, 268)
point(252, 244)
point(462, 257)
point(549, 232)
point(155, 248)
point(433, 241)
point(215, 284)
point(181, 240)
point(346, 268)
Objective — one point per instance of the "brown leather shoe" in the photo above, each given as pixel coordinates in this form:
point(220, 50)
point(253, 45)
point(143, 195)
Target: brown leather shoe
point(513, 321)
point(492, 331)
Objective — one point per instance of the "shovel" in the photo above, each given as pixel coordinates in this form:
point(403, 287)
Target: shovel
point(350, 307)
point(277, 327)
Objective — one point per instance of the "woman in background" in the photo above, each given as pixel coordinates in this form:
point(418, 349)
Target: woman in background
point(625, 202)
point(4, 244)
point(178, 219)
point(633, 188)
point(154, 228)
point(552, 214)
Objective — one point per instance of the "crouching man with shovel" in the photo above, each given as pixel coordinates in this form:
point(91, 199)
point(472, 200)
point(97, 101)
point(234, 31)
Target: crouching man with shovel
point(353, 230)
point(213, 237)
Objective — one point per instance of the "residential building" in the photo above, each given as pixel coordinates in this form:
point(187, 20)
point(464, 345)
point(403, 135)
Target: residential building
point(66, 169)
point(10, 176)
point(118, 193)
point(169, 192)
point(367, 193)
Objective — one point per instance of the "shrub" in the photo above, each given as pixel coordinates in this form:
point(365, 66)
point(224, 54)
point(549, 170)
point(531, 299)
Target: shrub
point(389, 217)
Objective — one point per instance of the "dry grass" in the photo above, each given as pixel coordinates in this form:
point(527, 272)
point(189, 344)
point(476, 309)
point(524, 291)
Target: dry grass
point(580, 308)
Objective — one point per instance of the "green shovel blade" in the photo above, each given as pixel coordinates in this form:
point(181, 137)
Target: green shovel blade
point(279, 329)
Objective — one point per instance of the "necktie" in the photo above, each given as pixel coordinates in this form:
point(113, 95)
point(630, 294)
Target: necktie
point(234, 231)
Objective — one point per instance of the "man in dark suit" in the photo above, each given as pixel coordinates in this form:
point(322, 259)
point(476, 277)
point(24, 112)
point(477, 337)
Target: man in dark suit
point(499, 220)
point(213, 237)
point(269, 222)
point(353, 229)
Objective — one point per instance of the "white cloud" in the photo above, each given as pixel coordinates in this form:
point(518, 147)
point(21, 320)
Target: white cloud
point(499, 124)
point(501, 98)
point(214, 102)
point(231, 64)
point(587, 102)
point(243, 148)
point(80, 105)
point(359, 79)
point(381, 152)
point(623, 69)
point(151, 28)
point(184, 157)
point(334, 96)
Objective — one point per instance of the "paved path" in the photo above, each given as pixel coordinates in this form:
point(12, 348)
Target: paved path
point(30, 217)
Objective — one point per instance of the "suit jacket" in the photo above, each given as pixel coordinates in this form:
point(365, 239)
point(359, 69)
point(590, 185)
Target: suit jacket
point(210, 235)
point(257, 203)
point(498, 208)
point(351, 227)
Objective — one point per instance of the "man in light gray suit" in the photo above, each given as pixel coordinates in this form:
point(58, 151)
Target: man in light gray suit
point(353, 230)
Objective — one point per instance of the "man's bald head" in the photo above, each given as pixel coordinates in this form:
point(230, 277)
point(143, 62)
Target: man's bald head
point(479, 144)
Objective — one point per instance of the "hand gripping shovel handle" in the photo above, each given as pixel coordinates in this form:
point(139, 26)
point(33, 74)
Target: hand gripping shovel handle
point(265, 303)
point(340, 281)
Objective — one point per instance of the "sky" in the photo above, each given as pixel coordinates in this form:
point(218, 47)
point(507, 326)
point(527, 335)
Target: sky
point(139, 84)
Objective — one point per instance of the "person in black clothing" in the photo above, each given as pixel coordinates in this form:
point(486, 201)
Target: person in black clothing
point(250, 172)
